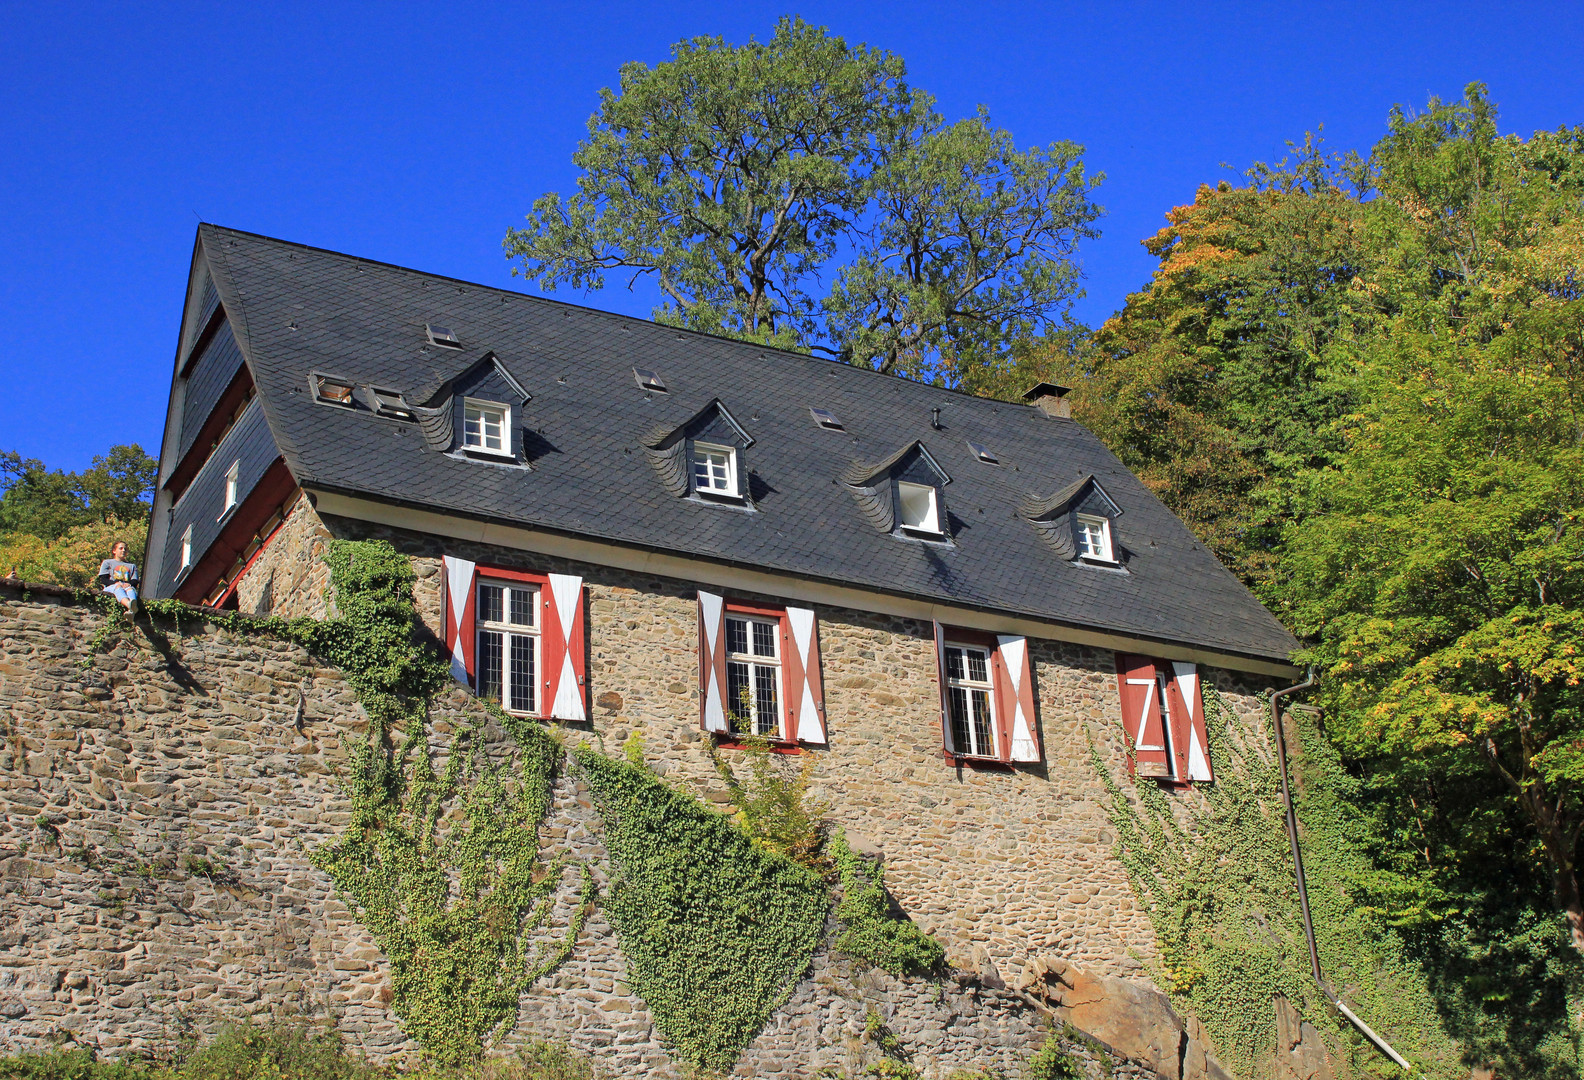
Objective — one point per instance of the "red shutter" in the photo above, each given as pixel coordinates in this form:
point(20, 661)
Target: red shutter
point(1138, 685)
point(565, 658)
point(460, 600)
point(1016, 705)
point(945, 695)
point(804, 692)
point(1190, 742)
point(712, 661)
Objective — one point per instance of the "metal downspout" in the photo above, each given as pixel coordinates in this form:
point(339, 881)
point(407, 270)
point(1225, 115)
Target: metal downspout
point(1303, 883)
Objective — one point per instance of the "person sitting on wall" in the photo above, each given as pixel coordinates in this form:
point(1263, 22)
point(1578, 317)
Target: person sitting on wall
point(119, 578)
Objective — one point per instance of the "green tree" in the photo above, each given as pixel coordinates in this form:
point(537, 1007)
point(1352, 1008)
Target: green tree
point(46, 503)
point(735, 175)
point(1440, 561)
point(1215, 383)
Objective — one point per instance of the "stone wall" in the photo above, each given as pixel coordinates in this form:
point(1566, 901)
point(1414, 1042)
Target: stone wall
point(1016, 862)
point(160, 795)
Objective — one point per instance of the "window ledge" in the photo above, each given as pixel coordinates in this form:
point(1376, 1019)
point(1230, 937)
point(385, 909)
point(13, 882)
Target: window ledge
point(973, 762)
point(1095, 560)
point(923, 534)
point(227, 512)
point(777, 746)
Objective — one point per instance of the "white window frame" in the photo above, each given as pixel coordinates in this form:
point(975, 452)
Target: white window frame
point(186, 550)
point(968, 686)
point(518, 692)
point(931, 525)
point(758, 673)
point(1082, 521)
point(232, 489)
point(481, 406)
point(703, 450)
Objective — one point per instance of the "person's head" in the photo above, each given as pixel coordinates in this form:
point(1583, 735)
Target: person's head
point(118, 551)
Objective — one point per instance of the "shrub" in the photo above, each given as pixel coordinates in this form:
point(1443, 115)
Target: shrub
point(875, 931)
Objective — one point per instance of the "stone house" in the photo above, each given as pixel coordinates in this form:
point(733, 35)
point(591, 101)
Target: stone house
point(959, 605)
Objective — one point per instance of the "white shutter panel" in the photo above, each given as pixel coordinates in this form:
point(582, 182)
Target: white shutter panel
point(459, 601)
point(712, 660)
point(807, 697)
point(566, 651)
point(1015, 658)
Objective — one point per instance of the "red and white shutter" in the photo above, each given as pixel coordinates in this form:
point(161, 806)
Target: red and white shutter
point(945, 691)
point(1017, 698)
point(804, 693)
point(565, 659)
point(1185, 705)
point(1138, 686)
point(712, 661)
point(461, 600)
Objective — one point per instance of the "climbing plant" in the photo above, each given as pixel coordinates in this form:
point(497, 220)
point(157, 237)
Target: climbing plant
point(440, 857)
point(715, 928)
point(874, 930)
point(1217, 882)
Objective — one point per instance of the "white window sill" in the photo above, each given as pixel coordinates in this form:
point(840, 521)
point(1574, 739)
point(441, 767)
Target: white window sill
point(923, 534)
point(479, 451)
point(227, 512)
point(1095, 560)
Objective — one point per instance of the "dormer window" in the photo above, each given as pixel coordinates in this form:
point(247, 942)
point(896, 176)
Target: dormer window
point(904, 494)
point(714, 470)
point(486, 427)
point(917, 508)
point(233, 478)
point(1094, 537)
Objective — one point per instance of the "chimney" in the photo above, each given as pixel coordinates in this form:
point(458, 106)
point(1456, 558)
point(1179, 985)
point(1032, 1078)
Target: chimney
point(1050, 399)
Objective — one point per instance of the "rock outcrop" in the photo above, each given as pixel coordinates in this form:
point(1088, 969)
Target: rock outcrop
point(1130, 1018)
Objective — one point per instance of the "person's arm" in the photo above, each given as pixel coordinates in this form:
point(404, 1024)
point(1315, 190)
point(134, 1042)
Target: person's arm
point(104, 574)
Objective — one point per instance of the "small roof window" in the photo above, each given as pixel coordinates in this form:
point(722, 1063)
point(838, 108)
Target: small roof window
point(333, 391)
point(442, 336)
point(983, 453)
point(826, 419)
point(916, 509)
point(649, 380)
point(390, 403)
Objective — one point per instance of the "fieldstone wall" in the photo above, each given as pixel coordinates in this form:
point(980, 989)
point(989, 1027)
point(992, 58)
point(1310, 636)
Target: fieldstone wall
point(160, 794)
point(289, 578)
point(1000, 863)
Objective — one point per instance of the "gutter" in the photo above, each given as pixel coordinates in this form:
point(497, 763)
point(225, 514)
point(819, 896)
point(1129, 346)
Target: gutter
point(1303, 884)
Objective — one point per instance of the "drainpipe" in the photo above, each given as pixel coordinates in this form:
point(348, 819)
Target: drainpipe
point(1303, 884)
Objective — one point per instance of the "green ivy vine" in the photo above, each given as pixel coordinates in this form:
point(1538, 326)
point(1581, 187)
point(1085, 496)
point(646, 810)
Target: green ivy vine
point(874, 931)
point(440, 865)
point(1226, 916)
point(715, 928)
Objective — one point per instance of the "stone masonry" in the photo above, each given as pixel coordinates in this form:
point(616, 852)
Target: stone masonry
point(159, 799)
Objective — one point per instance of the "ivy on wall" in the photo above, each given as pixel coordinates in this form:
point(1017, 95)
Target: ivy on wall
point(1226, 916)
point(441, 865)
point(715, 929)
point(874, 931)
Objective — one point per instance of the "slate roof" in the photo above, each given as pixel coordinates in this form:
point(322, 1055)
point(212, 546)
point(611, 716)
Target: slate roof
point(296, 309)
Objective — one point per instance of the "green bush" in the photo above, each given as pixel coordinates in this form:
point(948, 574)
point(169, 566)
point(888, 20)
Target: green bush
point(773, 806)
point(1053, 1061)
point(874, 932)
point(77, 1064)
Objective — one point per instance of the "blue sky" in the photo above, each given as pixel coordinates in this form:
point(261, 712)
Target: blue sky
point(417, 133)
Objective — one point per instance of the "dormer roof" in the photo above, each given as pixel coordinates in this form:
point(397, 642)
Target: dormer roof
point(295, 309)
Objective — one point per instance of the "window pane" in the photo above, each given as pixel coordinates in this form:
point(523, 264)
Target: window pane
point(522, 672)
point(489, 604)
point(472, 428)
point(492, 429)
point(958, 698)
point(765, 694)
point(764, 639)
point(954, 663)
point(981, 724)
point(739, 696)
point(711, 469)
point(918, 507)
point(489, 664)
point(522, 607)
point(976, 665)
point(737, 636)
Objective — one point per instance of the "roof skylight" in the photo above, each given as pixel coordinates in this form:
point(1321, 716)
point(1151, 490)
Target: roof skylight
point(333, 391)
point(442, 336)
point(826, 419)
point(649, 380)
point(391, 404)
point(983, 453)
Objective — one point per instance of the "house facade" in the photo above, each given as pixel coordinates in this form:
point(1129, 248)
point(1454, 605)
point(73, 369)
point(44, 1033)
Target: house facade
point(968, 610)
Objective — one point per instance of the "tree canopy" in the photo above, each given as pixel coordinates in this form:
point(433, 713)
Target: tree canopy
point(55, 526)
point(749, 180)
